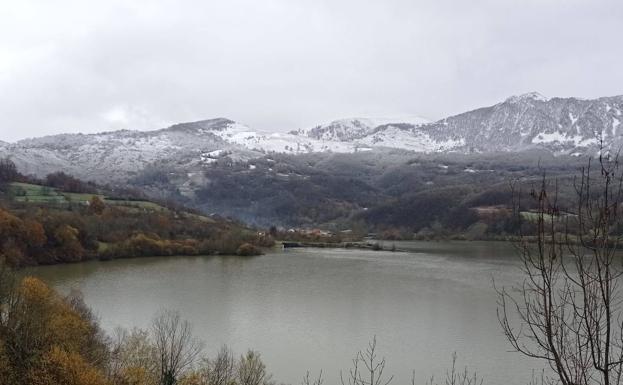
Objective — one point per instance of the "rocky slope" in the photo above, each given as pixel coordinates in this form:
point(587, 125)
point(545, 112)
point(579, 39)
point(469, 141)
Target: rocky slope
point(349, 130)
point(561, 125)
point(116, 155)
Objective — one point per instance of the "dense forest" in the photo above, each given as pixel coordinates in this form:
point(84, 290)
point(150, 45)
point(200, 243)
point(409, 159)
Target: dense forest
point(391, 192)
point(62, 219)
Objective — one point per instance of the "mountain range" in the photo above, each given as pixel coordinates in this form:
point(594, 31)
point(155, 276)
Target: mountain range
point(220, 165)
point(559, 125)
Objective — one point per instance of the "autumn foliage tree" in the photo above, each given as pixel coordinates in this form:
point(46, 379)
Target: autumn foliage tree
point(45, 338)
point(96, 205)
point(68, 368)
point(19, 238)
point(66, 239)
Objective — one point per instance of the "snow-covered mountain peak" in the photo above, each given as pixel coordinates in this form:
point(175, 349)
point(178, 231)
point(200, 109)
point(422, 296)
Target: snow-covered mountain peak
point(217, 124)
point(400, 119)
point(355, 128)
point(559, 125)
point(341, 130)
point(530, 96)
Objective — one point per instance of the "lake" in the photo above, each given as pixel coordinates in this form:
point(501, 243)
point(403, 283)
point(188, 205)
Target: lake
point(312, 309)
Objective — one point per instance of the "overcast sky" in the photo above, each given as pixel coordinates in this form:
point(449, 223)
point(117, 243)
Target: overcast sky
point(81, 66)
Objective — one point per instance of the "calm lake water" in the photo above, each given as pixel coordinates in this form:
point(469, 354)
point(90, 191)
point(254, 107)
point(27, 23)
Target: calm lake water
point(312, 309)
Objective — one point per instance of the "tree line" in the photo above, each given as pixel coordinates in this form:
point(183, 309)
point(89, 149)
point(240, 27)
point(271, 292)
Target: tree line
point(47, 235)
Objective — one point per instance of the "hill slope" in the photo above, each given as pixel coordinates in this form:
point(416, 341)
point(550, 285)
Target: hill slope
point(42, 224)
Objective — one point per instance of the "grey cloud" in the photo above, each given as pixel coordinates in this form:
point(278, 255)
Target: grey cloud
point(80, 66)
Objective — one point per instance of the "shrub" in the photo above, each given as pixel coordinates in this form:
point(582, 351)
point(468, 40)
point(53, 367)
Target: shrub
point(247, 249)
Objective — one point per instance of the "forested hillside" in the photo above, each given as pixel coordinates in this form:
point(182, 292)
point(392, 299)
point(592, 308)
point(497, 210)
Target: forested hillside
point(393, 193)
point(390, 191)
point(62, 219)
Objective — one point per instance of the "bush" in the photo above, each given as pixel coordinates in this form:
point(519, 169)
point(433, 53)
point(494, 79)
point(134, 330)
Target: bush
point(247, 249)
point(476, 231)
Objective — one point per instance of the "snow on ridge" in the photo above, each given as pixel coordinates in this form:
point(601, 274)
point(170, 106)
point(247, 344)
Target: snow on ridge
point(264, 141)
point(550, 138)
point(535, 96)
point(528, 96)
point(559, 137)
point(415, 141)
point(374, 122)
point(239, 134)
point(350, 129)
point(407, 119)
point(563, 122)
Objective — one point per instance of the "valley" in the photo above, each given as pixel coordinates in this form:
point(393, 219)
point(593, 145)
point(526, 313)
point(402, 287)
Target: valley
point(399, 176)
point(311, 192)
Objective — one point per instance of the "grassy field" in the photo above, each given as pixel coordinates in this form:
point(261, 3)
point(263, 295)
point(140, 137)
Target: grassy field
point(42, 195)
point(24, 192)
point(32, 193)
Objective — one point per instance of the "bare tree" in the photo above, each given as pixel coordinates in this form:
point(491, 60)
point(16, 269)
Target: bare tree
point(132, 350)
point(366, 363)
point(455, 376)
point(251, 370)
point(221, 370)
point(8, 294)
point(176, 348)
point(307, 380)
point(569, 305)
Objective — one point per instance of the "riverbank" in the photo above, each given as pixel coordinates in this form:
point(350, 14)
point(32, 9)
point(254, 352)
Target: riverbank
point(368, 245)
point(394, 244)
